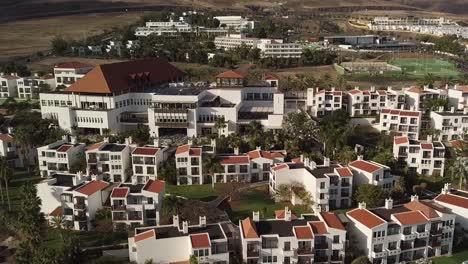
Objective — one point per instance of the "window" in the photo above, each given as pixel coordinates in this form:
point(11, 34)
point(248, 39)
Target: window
point(115, 157)
point(150, 170)
point(116, 167)
point(231, 168)
point(195, 161)
point(287, 246)
point(195, 171)
point(322, 185)
point(266, 167)
point(243, 168)
point(336, 239)
point(139, 169)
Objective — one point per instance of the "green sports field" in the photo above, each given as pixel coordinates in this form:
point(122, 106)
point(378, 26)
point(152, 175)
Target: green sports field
point(420, 67)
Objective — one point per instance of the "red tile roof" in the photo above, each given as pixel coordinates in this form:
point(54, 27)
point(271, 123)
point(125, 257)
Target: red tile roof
point(271, 76)
point(145, 235)
point(365, 166)
point(225, 160)
point(64, 148)
point(6, 138)
point(365, 217)
point(92, 187)
point(120, 77)
point(344, 172)
point(332, 220)
point(145, 151)
point(411, 218)
point(200, 241)
point(280, 167)
point(280, 214)
point(155, 186)
point(195, 152)
point(303, 232)
point(401, 140)
point(355, 91)
point(73, 65)
point(458, 144)
point(120, 192)
point(416, 90)
point(382, 92)
point(400, 112)
point(427, 146)
point(428, 211)
point(56, 212)
point(318, 227)
point(10, 77)
point(453, 200)
point(95, 146)
point(232, 74)
point(182, 149)
point(255, 154)
point(248, 228)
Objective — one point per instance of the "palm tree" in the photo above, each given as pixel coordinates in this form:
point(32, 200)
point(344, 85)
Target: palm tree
point(283, 192)
point(220, 125)
point(254, 128)
point(211, 166)
point(172, 204)
point(58, 222)
point(5, 172)
point(459, 170)
point(24, 136)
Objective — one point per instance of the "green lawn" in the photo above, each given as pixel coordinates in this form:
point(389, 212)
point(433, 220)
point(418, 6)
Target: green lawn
point(457, 258)
point(421, 67)
point(87, 238)
point(197, 192)
point(258, 199)
point(19, 178)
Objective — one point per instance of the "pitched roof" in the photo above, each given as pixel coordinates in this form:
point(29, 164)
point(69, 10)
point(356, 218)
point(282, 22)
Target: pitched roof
point(255, 154)
point(344, 172)
point(365, 217)
point(426, 210)
point(95, 146)
point(248, 228)
point(281, 213)
point(355, 91)
point(453, 200)
point(280, 167)
point(332, 220)
point(6, 138)
point(318, 227)
point(145, 151)
point(92, 187)
point(64, 148)
point(57, 211)
point(401, 140)
point(10, 77)
point(195, 152)
point(364, 165)
point(225, 160)
point(155, 186)
point(296, 160)
point(73, 65)
point(416, 90)
point(120, 192)
point(271, 76)
point(182, 149)
point(400, 112)
point(411, 218)
point(232, 74)
point(123, 77)
point(303, 232)
point(145, 235)
point(427, 146)
point(200, 241)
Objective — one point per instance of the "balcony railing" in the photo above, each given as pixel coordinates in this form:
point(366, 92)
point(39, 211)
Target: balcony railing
point(320, 259)
point(119, 218)
point(135, 217)
point(253, 252)
point(321, 246)
point(304, 251)
point(92, 160)
point(336, 258)
point(118, 207)
point(80, 206)
point(81, 218)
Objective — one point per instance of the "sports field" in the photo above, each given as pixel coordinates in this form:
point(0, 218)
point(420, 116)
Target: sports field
point(420, 67)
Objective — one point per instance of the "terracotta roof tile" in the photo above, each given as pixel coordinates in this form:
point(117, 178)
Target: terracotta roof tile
point(271, 76)
point(401, 112)
point(182, 149)
point(411, 218)
point(427, 146)
point(416, 90)
point(318, 227)
point(296, 160)
point(92, 187)
point(148, 151)
point(355, 91)
point(95, 146)
point(195, 152)
point(401, 140)
point(248, 228)
point(280, 167)
point(57, 212)
point(453, 200)
point(120, 192)
point(200, 241)
point(145, 235)
point(365, 217)
point(429, 212)
point(225, 160)
point(73, 65)
point(280, 214)
point(365, 166)
point(232, 74)
point(332, 220)
point(255, 154)
point(155, 186)
point(6, 138)
point(64, 148)
point(10, 77)
point(303, 232)
point(344, 172)
point(116, 77)
point(382, 92)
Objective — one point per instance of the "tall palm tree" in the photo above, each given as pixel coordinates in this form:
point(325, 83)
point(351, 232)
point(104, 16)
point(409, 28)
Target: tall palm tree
point(220, 125)
point(211, 166)
point(24, 137)
point(59, 222)
point(5, 172)
point(172, 204)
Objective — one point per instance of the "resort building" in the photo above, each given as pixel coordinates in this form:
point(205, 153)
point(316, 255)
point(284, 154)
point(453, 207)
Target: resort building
point(370, 172)
point(29, 87)
point(451, 124)
point(457, 202)
point(145, 162)
point(8, 85)
point(400, 122)
point(322, 102)
point(68, 73)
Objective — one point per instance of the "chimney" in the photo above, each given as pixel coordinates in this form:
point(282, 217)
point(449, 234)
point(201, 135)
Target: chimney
point(362, 205)
point(10, 130)
point(36, 74)
point(465, 110)
point(429, 138)
point(389, 203)
point(446, 188)
point(158, 218)
point(452, 109)
point(258, 148)
point(372, 89)
point(1, 73)
point(213, 143)
point(128, 141)
point(236, 151)
point(106, 139)
point(360, 157)
point(190, 142)
point(287, 214)
point(156, 142)
point(402, 107)
point(317, 209)
point(414, 197)
point(185, 227)
point(301, 157)
point(441, 108)
point(256, 216)
point(333, 89)
point(175, 221)
point(65, 137)
point(73, 140)
point(326, 161)
point(202, 221)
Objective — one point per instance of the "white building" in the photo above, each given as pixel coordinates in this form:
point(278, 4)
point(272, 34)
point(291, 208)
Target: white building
point(189, 165)
point(422, 157)
point(370, 172)
point(176, 244)
point(308, 239)
point(322, 102)
point(330, 185)
point(60, 156)
point(29, 87)
point(457, 202)
point(371, 102)
point(458, 96)
point(416, 97)
point(109, 160)
point(137, 204)
point(68, 73)
point(261, 163)
point(235, 22)
point(145, 161)
point(8, 85)
point(11, 151)
point(401, 234)
point(163, 28)
point(451, 124)
point(400, 122)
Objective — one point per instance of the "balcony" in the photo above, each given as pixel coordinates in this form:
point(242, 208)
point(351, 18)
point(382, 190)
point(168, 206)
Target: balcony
point(119, 217)
point(119, 207)
point(436, 231)
point(336, 258)
point(81, 218)
point(319, 259)
point(338, 246)
point(393, 252)
point(420, 243)
point(304, 251)
point(378, 254)
point(406, 246)
point(135, 217)
point(172, 124)
point(408, 236)
point(80, 206)
point(321, 246)
point(134, 120)
point(253, 253)
point(433, 243)
point(92, 160)
point(423, 234)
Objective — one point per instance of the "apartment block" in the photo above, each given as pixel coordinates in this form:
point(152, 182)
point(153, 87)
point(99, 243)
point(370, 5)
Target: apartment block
point(176, 244)
point(11, 151)
point(457, 202)
point(8, 85)
point(261, 163)
point(68, 73)
point(370, 172)
point(235, 168)
point(145, 162)
point(109, 160)
point(137, 204)
point(371, 102)
point(60, 156)
point(309, 239)
point(416, 97)
point(458, 96)
point(422, 157)
point(450, 124)
point(330, 185)
point(402, 233)
point(323, 102)
point(29, 87)
point(400, 122)
point(189, 165)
